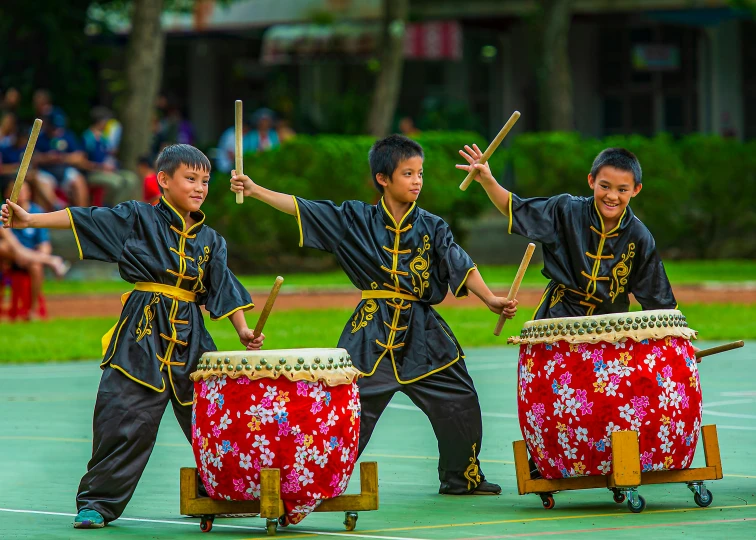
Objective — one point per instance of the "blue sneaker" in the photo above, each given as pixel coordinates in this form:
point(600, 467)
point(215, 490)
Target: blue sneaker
point(89, 519)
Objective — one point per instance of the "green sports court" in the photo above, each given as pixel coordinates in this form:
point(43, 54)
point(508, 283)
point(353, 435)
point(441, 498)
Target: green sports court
point(45, 436)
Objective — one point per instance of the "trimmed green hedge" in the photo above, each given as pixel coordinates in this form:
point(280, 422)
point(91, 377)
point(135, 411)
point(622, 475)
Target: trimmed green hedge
point(697, 199)
point(332, 167)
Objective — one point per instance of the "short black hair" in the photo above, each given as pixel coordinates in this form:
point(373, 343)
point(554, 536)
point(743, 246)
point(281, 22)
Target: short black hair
point(146, 161)
point(385, 155)
point(619, 158)
point(173, 156)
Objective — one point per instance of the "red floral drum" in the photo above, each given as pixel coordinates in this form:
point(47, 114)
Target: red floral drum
point(582, 378)
point(296, 410)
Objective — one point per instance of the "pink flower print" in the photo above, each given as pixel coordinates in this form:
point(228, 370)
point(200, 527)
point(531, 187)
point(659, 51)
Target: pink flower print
point(203, 390)
point(667, 372)
point(216, 431)
point(211, 408)
point(565, 379)
point(335, 481)
point(238, 484)
point(266, 402)
point(317, 406)
point(256, 464)
point(640, 413)
point(558, 357)
point(657, 351)
point(299, 439)
point(538, 408)
point(210, 490)
point(283, 429)
point(302, 388)
point(597, 355)
point(685, 402)
point(582, 348)
point(615, 380)
point(639, 402)
point(353, 454)
point(324, 428)
point(587, 408)
point(570, 432)
point(581, 396)
point(646, 458)
point(235, 448)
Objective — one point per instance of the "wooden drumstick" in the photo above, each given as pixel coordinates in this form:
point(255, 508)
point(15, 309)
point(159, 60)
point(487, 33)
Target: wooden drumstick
point(239, 146)
point(490, 150)
point(21, 175)
point(719, 349)
point(516, 285)
point(268, 306)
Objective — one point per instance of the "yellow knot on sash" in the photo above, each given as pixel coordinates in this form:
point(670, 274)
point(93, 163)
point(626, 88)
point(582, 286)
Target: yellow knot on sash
point(166, 290)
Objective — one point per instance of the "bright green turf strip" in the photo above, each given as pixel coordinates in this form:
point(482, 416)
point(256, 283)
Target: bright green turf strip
point(680, 272)
point(73, 339)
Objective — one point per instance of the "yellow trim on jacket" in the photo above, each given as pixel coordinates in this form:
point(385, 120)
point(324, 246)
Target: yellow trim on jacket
point(76, 235)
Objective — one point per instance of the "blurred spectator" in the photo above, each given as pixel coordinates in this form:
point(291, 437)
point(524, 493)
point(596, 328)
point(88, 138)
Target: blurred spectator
point(151, 191)
point(407, 127)
point(8, 129)
point(11, 100)
point(35, 242)
point(174, 128)
point(59, 154)
point(43, 105)
point(101, 166)
point(10, 161)
point(284, 130)
point(263, 137)
point(227, 146)
point(113, 131)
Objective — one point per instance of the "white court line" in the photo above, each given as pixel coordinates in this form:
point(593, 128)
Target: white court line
point(730, 402)
point(730, 415)
point(413, 408)
point(737, 428)
point(193, 524)
point(748, 393)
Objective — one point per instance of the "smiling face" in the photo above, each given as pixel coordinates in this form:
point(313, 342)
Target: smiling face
point(186, 189)
point(612, 190)
point(406, 181)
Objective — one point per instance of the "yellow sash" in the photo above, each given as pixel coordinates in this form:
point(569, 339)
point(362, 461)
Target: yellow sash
point(388, 294)
point(165, 290)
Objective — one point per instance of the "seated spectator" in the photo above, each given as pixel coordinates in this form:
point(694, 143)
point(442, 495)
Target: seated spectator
point(407, 127)
point(263, 137)
point(101, 166)
point(42, 182)
point(8, 129)
point(36, 242)
point(58, 153)
point(284, 130)
point(225, 157)
point(151, 191)
point(43, 105)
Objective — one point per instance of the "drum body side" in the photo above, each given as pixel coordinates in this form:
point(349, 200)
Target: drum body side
point(308, 430)
point(571, 397)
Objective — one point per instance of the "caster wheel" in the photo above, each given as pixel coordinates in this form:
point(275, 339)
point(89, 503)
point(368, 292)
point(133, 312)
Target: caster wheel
point(637, 508)
point(206, 523)
point(283, 521)
point(619, 497)
point(547, 501)
point(271, 526)
point(705, 500)
point(350, 520)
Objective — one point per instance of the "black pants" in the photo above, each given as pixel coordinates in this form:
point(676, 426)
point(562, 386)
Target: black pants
point(126, 420)
point(449, 400)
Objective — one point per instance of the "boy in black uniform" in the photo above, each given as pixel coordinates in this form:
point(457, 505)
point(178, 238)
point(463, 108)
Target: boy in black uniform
point(595, 251)
point(176, 264)
point(404, 260)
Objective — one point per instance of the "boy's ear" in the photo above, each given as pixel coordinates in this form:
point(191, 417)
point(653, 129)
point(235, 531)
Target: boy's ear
point(162, 177)
point(591, 181)
point(637, 189)
point(382, 179)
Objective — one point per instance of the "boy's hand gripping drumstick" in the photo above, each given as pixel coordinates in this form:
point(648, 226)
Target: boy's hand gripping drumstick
point(719, 349)
point(516, 284)
point(268, 306)
point(239, 146)
point(490, 150)
point(21, 175)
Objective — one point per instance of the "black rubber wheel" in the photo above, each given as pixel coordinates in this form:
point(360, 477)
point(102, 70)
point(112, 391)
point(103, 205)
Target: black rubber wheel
point(283, 521)
point(547, 501)
point(639, 508)
point(619, 497)
point(206, 523)
point(704, 501)
point(350, 521)
point(271, 527)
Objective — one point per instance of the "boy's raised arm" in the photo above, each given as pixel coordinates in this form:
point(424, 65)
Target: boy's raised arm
point(24, 220)
point(498, 195)
point(280, 201)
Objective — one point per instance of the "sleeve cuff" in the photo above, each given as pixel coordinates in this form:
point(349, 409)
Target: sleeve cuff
point(462, 285)
point(299, 221)
point(509, 226)
point(76, 235)
point(245, 308)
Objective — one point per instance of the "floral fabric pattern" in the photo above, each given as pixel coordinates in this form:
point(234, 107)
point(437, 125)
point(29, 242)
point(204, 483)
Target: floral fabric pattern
point(308, 430)
point(571, 397)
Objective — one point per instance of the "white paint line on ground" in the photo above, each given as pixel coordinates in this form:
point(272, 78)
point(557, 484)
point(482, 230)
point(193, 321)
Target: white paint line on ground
point(730, 402)
point(219, 525)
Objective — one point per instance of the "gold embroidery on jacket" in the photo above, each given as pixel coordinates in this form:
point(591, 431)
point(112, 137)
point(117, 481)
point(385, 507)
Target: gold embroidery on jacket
point(144, 328)
point(621, 272)
point(199, 287)
point(419, 267)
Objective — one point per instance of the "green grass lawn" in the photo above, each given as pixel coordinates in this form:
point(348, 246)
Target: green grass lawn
point(680, 272)
point(74, 339)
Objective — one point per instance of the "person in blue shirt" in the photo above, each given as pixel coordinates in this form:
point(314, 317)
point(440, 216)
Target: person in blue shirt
point(58, 153)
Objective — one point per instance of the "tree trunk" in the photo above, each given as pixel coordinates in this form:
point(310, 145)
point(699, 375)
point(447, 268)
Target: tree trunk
point(389, 79)
point(144, 66)
point(555, 80)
